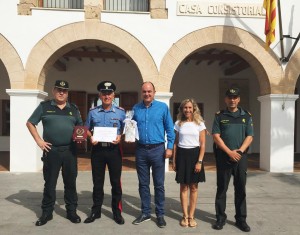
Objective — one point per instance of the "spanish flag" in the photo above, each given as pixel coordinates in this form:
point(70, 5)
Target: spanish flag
point(270, 24)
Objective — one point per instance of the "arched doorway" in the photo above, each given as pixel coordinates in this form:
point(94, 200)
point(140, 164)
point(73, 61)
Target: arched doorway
point(11, 75)
point(267, 69)
point(56, 57)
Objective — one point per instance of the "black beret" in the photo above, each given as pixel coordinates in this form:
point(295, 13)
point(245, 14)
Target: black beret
point(233, 92)
point(106, 86)
point(61, 84)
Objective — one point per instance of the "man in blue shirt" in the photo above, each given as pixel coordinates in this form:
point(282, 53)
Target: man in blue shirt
point(153, 120)
point(106, 153)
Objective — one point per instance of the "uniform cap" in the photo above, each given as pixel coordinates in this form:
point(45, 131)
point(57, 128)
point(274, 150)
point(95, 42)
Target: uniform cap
point(106, 86)
point(62, 84)
point(233, 92)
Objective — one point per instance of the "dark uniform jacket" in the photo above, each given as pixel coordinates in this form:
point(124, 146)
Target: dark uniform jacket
point(58, 124)
point(233, 127)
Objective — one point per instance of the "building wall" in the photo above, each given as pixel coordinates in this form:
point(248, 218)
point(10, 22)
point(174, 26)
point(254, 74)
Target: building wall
point(156, 46)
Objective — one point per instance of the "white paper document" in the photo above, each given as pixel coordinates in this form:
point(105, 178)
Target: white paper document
point(105, 134)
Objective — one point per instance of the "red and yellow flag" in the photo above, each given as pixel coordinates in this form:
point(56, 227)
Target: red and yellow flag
point(270, 24)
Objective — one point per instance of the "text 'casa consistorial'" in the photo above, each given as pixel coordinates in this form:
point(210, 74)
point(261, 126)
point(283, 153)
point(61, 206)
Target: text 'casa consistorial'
point(200, 8)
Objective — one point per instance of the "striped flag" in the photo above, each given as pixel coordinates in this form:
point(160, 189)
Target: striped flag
point(270, 24)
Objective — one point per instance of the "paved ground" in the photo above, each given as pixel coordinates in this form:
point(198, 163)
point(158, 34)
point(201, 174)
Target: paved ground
point(273, 206)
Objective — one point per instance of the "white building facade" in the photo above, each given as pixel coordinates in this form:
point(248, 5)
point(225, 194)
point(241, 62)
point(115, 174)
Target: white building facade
point(186, 48)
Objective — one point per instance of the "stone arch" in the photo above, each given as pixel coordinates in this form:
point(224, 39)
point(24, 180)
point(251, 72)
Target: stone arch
point(12, 62)
point(251, 48)
point(65, 38)
point(292, 71)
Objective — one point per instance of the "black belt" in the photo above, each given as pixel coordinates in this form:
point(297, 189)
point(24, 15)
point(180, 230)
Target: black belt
point(149, 146)
point(61, 148)
point(106, 145)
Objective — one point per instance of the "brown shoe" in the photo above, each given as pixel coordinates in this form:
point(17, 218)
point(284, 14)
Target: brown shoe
point(192, 222)
point(184, 222)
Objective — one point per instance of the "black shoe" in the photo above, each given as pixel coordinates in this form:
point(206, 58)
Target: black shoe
point(92, 217)
point(142, 218)
point(73, 217)
point(219, 225)
point(43, 219)
point(242, 225)
point(119, 219)
point(160, 221)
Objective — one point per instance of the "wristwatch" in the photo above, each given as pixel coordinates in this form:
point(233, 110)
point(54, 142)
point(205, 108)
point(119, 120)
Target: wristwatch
point(199, 161)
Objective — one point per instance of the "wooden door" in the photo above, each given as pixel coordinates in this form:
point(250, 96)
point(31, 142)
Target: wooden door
point(80, 99)
point(127, 101)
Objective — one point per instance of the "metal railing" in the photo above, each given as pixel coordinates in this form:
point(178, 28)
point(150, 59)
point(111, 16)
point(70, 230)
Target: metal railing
point(65, 4)
point(109, 5)
point(126, 5)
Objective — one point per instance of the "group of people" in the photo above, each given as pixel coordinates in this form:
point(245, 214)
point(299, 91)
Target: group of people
point(158, 140)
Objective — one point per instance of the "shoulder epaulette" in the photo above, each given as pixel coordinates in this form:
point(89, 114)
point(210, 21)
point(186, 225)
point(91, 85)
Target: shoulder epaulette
point(45, 101)
point(246, 111)
point(95, 107)
point(118, 107)
point(219, 112)
point(74, 105)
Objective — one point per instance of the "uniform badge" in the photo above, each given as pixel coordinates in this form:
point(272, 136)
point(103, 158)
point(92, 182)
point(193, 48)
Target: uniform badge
point(107, 85)
point(62, 83)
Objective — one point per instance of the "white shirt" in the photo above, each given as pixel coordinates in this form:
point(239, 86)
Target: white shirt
point(189, 134)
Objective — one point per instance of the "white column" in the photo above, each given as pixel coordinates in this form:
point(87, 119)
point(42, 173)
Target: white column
point(277, 132)
point(25, 155)
point(164, 97)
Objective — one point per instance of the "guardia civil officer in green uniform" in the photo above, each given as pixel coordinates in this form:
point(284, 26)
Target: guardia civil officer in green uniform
point(59, 118)
point(106, 153)
point(232, 133)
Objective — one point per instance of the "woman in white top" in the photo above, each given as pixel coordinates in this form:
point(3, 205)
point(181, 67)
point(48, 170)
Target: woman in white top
point(188, 154)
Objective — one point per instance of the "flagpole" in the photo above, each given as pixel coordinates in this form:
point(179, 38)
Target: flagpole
point(280, 32)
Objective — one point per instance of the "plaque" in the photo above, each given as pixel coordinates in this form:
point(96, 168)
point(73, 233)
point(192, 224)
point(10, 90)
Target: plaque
point(80, 133)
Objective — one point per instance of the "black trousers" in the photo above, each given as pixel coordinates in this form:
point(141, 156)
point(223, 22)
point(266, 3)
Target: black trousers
point(100, 158)
point(57, 158)
point(224, 171)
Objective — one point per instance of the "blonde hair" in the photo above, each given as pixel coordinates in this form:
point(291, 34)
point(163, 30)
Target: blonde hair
point(197, 118)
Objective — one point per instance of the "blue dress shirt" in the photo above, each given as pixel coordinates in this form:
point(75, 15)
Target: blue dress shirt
point(153, 122)
point(100, 117)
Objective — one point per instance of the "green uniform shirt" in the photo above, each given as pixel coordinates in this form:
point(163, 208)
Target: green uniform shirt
point(58, 124)
point(233, 127)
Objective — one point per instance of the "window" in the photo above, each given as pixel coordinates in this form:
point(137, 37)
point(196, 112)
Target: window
point(67, 4)
point(126, 5)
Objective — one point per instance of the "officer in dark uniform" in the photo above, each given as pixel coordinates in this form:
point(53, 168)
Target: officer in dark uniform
point(232, 133)
point(59, 118)
point(106, 153)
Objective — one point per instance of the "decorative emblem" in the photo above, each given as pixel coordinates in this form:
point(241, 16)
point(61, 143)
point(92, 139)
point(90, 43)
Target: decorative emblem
point(107, 84)
point(79, 131)
point(243, 120)
point(232, 90)
point(62, 83)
